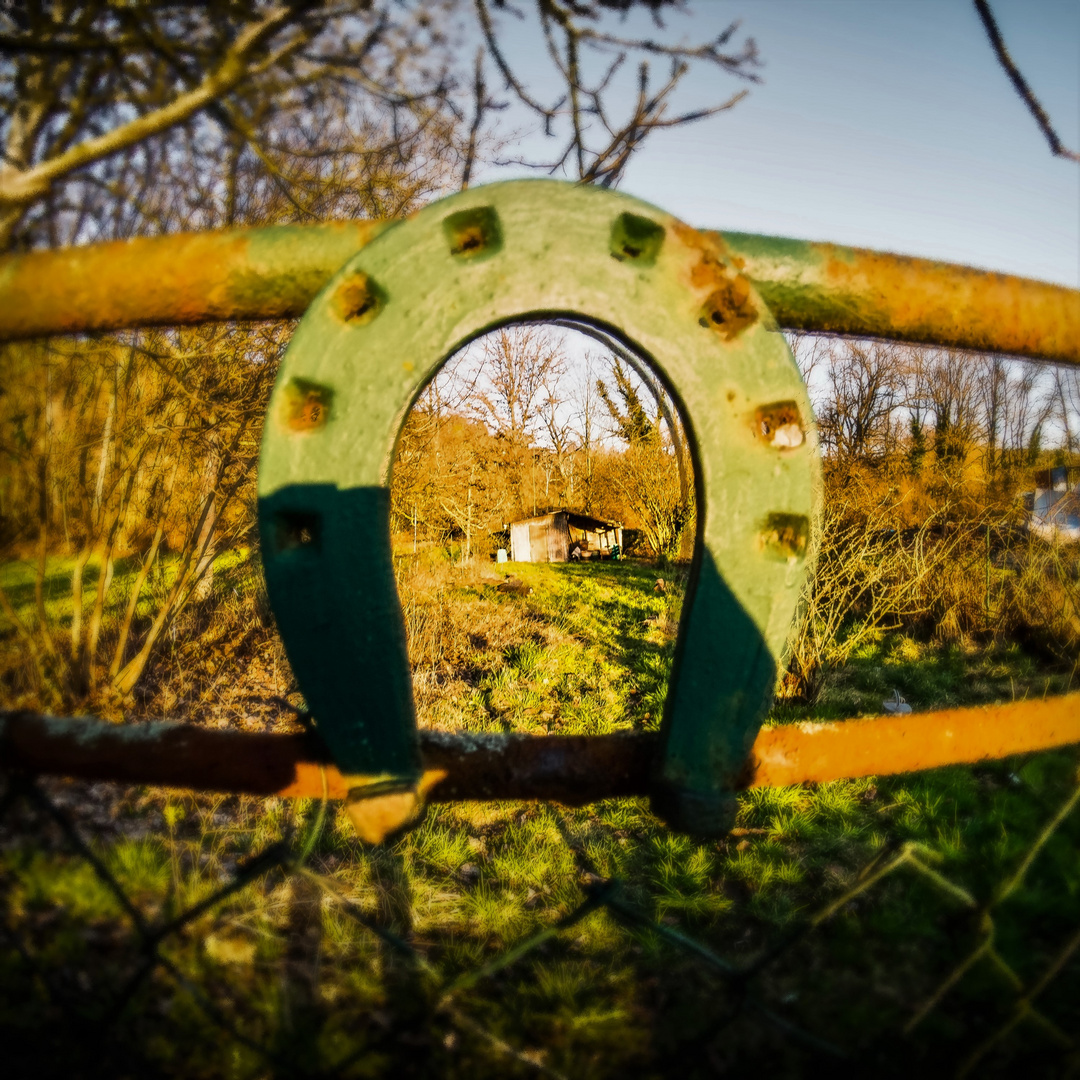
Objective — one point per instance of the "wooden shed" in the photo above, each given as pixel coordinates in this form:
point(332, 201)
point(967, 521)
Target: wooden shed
point(551, 537)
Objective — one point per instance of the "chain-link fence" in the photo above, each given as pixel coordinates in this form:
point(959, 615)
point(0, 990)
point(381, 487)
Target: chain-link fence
point(106, 968)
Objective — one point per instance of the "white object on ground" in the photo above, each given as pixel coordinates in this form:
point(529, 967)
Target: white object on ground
point(896, 704)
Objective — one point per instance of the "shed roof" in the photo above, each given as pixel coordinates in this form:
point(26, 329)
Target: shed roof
point(579, 521)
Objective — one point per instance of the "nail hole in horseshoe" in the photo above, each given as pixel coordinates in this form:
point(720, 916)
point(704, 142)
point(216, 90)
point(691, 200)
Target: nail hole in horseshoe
point(785, 536)
point(306, 406)
point(297, 530)
point(473, 233)
point(779, 425)
point(358, 300)
point(636, 239)
point(729, 309)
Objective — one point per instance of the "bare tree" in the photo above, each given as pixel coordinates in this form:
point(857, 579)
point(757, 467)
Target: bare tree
point(811, 353)
point(946, 386)
point(586, 403)
point(993, 384)
point(520, 367)
point(866, 384)
point(1015, 402)
point(517, 379)
point(99, 97)
point(1066, 398)
point(562, 438)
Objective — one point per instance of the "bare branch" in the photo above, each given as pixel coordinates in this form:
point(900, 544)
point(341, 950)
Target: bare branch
point(500, 61)
point(21, 187)
point(1020, 83)
point(733, 63)
point(481, 105)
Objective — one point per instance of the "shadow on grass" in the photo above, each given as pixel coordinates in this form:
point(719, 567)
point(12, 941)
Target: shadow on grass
point(18, 581)
point(624, 643)
point(233, 570)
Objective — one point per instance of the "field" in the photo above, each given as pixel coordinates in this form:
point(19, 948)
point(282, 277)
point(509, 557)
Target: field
point(857, 899)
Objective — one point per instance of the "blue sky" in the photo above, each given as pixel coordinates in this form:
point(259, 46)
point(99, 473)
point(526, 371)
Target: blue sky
point(880, 123)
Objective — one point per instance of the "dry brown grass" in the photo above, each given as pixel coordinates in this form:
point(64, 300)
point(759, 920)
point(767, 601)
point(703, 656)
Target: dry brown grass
point(454, 625)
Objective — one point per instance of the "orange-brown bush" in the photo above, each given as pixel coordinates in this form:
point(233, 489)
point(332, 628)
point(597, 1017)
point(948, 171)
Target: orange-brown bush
point(936, 555)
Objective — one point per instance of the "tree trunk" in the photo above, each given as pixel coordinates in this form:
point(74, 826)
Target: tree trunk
point(133, 599)
point(42, 559)
point(206, 541)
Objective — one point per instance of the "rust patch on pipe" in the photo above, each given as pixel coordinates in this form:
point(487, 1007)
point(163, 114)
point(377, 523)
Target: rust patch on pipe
point(828, 288)
point(574, 770)
point(917, 294)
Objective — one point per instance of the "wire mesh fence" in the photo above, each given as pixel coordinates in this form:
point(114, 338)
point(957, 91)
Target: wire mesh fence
point(138, 981)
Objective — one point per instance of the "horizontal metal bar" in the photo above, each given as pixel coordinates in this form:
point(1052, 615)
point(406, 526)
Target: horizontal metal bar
point(574, 770)
point(899, 744)
point(826, 288)
point(275, 272)
point(175, 280)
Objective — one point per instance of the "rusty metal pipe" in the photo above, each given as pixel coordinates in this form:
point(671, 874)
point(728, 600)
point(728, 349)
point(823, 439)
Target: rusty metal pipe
point(796, 753)
point(827, 288)
point(275, 272)
point(574, 770)
point(175, 280)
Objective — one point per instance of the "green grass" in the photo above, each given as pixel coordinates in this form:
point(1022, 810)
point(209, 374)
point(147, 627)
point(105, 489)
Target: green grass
point(199, 641)
point(18, 577)
point(588, 651)
point(588, 660)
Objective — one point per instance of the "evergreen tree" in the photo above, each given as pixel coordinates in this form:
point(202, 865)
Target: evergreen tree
point(1035, 446)
point(635, 426)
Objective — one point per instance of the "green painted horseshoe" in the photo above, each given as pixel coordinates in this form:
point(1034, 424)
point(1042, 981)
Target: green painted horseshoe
point(527, 251)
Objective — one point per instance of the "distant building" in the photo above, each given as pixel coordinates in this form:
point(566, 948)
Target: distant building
point(553, 537)
point(1055, 505)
